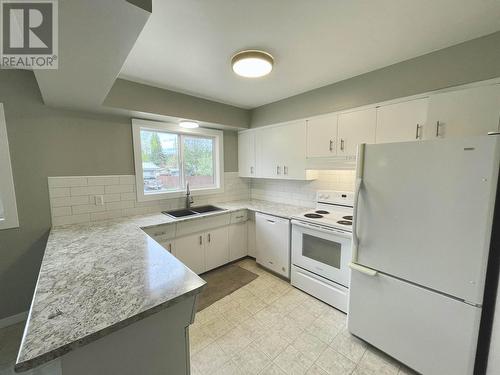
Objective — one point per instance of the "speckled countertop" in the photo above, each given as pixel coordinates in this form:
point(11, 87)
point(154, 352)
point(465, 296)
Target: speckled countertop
point(97, 278)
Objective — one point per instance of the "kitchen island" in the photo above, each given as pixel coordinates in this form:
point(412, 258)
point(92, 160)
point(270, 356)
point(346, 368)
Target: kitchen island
point(110, 299)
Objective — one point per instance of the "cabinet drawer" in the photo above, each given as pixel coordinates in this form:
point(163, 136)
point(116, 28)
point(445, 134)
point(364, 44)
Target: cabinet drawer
point(239, 216)
point(202, 224)
point(162, 232)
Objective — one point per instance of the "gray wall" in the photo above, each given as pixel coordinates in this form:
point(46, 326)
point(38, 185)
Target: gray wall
point(52, 142)
point(475, 60)
point(134, 96)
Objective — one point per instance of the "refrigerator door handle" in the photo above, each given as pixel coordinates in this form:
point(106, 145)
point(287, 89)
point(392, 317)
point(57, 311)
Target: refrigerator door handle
point(362, 269)
point(359, 181)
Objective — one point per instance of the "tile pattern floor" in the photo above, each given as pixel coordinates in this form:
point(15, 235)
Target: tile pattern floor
point(269, 327)
point(266, 327)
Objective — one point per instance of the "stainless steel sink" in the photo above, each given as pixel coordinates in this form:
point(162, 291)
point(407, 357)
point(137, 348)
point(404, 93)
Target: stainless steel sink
point(192, 211)
point(180, 213)
point(207, 208)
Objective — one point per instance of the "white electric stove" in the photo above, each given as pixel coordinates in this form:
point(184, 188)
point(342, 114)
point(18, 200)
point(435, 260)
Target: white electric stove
point(321, 248)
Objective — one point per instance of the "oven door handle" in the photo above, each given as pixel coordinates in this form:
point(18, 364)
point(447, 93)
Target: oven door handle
point(318, 228)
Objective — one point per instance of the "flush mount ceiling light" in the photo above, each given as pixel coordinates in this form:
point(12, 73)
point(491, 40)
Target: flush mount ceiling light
point(188, 124)
point(252, 63)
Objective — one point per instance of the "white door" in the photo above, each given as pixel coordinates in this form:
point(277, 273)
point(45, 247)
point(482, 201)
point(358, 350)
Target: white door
point(216, 247)
point(401, 122)
point(425, 212)
point(430, 332)
point(355, 128)
point(190, 250)
point(273, 243)
point(269, 145)
point(246, 154)
point(293, 150)
point(238, 243)
point(473, 111)
point(322, 136)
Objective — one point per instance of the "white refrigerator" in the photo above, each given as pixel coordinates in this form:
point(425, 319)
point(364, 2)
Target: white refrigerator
point(421, 241)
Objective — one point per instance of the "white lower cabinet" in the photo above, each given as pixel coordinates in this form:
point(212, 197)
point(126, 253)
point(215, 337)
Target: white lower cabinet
point(216, 248)
point(238, 244)
point(272, 238)
point(190, 250)
point(202, 252)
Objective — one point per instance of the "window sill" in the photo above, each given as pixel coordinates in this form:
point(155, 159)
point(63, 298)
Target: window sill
point(143, 197)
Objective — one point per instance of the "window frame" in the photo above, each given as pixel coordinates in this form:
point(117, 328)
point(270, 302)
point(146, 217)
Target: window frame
point(217, 135)
point(7, 189)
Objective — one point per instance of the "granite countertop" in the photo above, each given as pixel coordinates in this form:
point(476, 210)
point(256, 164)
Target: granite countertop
point(97, 278)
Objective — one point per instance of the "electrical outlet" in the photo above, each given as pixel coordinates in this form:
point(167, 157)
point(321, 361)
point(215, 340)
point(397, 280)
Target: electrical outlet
point(99, 200)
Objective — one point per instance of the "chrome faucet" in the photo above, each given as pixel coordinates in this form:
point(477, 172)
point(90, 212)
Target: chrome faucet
point(189, 198)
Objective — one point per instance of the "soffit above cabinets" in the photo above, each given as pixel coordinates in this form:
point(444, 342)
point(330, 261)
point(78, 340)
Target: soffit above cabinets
point(314, 43)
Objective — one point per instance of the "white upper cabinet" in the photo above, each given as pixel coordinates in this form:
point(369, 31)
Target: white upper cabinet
point(281, 152)
point(472, 111)
point(355, 128)
point(401, 122)
point(322, 136)
point(246, 154)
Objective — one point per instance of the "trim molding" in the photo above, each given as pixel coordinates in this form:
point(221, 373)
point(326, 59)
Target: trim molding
point(13, 319)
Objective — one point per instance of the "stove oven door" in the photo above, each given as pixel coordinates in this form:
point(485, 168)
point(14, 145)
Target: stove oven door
point(323, 251)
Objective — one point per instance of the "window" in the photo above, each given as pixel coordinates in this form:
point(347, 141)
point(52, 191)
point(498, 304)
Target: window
point(168, 157)
point(8, 206)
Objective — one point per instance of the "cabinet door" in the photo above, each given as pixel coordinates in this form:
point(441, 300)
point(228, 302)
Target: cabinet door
point(293, 151)
point(246, 154)
point(473, 111)
point(273, 243)
point(356, 128)
point(269, 145)
point(190, 250)
point(322, 136)
point(238, 246)
point(401, 122)
point(169, 245)
point(216, 248)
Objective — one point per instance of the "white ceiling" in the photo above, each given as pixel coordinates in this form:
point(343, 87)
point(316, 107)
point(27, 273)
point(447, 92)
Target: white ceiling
point(186, 45)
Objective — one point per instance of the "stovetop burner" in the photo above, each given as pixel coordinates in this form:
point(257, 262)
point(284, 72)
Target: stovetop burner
point(344, 222)
point(323, 212)
point(348, 217)
point(313, 216)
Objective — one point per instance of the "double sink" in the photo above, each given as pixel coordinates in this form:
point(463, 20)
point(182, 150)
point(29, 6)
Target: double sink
point(192, 211)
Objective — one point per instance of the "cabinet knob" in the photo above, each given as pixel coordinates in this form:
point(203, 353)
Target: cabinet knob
point(331, 145)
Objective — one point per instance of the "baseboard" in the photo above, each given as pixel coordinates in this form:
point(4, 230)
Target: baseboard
point(13, 319)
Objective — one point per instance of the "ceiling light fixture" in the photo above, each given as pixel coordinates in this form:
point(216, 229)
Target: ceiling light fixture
point(188, 124)
point(252, 63)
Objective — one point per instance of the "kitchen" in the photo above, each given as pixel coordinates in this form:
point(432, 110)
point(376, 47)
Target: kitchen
point(326, 211)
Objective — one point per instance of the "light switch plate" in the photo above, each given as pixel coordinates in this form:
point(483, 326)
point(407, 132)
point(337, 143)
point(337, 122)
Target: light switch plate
point(99, 200)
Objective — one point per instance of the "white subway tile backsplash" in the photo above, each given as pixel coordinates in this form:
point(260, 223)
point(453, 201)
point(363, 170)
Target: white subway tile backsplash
point(69, 207)
point(127, 180)
point(113, 189)
point(73, 219)
point(86, 208)
point(55, 182)
point(69, 201)
point(119, 205)
point(59, 192)
point(111, 198)
point(128, 196)
point(87, 190)
point(61, 211)
point(104, 180)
